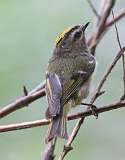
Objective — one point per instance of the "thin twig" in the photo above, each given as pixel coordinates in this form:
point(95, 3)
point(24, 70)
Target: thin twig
point(123, 66)
point(118, 17)
point(68, 146)
point(93, 9)
point(123, 58)
point(104, 14)
point(106, 27)
point(108, 71)
point(117, 34)
point(21, 102)
point(43, 122)
point(25, 91)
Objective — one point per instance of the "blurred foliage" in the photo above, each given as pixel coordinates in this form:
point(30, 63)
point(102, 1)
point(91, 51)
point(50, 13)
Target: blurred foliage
point(27, 36)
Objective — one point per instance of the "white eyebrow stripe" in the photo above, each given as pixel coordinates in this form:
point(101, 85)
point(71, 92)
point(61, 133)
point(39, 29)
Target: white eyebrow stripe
point(91, 61)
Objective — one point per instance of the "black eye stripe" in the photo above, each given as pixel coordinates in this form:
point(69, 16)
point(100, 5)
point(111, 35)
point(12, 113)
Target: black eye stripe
point(77, 34)
point(73, 29)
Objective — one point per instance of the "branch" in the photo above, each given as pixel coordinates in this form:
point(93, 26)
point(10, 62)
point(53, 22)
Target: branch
point(76, 129)
point(108, 71)
point(123, 58)
point(49, 151)
point(117, 34)
point(68, 146)
point(106, 27)
point(21, 102)
point(115, 19)
point(105, 9)
point(43, 122)
point(93, 8)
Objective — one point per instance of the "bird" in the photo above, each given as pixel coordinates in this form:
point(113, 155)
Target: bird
point(68, 77)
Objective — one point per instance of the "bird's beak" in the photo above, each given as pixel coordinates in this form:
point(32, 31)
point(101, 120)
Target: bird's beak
point(85, 26)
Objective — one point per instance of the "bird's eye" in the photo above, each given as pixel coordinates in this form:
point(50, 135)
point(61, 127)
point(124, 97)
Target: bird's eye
point(77, 34)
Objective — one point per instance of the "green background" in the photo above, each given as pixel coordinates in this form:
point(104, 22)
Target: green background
point(27, 35)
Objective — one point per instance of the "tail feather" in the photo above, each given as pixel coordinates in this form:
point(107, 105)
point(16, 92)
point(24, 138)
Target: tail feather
point(58, 128)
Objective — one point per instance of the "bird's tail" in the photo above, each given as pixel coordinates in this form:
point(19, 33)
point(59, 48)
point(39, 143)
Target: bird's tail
point(58, 128)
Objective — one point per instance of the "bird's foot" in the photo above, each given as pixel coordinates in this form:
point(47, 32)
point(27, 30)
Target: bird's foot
point(93, 109)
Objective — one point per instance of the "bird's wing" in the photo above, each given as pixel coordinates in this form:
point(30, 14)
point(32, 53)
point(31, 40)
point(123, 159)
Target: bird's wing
point(54, 94)
point(74, 85)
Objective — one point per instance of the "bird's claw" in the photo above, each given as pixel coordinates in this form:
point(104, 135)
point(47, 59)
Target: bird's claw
point(92, 107)
point(94, 111)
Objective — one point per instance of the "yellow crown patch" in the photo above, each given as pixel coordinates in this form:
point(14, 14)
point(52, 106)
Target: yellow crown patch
point(61, 35)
